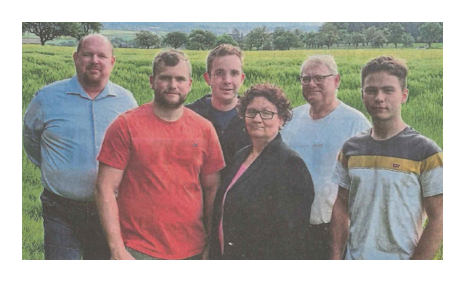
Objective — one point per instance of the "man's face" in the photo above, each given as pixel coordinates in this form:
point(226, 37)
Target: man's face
point(226, 77)
point(171, 85)
point(383, 96)
point(94, 62)
point(320, 94)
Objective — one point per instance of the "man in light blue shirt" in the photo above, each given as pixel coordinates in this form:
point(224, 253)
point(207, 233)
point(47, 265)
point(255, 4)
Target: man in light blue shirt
point(317, 132)
point(64, 127)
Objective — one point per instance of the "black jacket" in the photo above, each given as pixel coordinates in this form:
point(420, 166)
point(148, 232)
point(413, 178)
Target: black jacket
point(267, 211)
point(232, 137)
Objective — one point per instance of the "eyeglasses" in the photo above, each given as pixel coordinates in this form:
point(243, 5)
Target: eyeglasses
point(265, 114)
point(318, 79)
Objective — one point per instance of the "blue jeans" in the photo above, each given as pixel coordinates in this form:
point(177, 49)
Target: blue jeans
point(72, 229)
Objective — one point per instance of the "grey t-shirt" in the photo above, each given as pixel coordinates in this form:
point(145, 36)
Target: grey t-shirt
point(387, 181)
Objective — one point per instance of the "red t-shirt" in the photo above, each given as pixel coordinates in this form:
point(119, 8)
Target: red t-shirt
point(160, 199)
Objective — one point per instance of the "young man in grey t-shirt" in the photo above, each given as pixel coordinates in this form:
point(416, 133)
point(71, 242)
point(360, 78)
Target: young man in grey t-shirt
point(388, 177)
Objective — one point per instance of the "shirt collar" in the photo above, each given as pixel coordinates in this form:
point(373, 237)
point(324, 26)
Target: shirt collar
point(75, 87)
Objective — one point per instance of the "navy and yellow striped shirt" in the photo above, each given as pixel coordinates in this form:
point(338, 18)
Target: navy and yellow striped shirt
point(387, 181)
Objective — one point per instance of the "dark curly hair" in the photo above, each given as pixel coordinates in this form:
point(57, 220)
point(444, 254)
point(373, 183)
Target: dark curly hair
point(389, 64)
point(273, 94)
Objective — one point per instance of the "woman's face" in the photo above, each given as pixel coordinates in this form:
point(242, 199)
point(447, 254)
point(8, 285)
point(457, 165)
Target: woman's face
point(259, 128)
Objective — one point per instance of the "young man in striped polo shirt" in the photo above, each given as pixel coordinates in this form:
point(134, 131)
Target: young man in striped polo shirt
point(388, 176)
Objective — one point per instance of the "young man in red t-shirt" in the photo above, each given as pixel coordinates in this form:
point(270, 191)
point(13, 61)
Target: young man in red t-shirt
point(163, 161)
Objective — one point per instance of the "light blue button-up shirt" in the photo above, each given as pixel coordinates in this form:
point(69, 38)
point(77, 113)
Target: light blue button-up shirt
point(63, 132)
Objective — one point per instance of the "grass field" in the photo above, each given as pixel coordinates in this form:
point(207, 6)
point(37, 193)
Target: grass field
point(45, 64)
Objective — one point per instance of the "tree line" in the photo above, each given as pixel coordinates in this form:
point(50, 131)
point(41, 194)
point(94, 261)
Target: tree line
point(330, 34)
point(47, 31)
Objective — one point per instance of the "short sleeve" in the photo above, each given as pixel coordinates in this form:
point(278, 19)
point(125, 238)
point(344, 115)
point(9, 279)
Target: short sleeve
point(431, 177)
point(214, 160)
point(341, 172)
point(116, 147)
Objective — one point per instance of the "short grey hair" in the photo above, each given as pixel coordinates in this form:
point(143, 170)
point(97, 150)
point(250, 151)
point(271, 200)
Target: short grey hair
point(327, 60)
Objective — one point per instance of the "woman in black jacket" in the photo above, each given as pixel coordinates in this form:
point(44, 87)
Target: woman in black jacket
point(262, 207)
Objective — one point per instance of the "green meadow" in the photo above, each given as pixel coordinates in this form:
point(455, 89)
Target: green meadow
point(42, 65)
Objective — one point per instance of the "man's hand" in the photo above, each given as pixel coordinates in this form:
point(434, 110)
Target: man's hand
point(121, 254)
point(431, 239)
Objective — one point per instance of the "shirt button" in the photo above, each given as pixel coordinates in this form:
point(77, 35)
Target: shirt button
point(230, 243)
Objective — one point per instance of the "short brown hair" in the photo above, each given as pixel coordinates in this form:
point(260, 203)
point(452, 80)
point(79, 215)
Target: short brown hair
point(169, 57)
point(273, 94)
point(223, 50)
point(389, 64)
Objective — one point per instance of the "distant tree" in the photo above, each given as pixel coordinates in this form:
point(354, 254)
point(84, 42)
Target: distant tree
point(256, 38)
point(284, 40)
point(278, 31)
point(370, 33)
point(225, 39)
point(379, 39)
point(300, 37)
point(430, 32)
point(48, 30)
point(407, 39)
point(268, 44)
point(147, 39)
point(345, 37)
point(356, 38)
point(80, 29)
point(175, 39)
point(395, 31)
point(310, 39)
point(201, 40)
point(320, 40)
point(329, 34)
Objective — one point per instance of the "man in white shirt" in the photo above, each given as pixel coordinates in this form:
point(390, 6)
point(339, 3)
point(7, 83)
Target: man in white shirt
point(317, 132)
